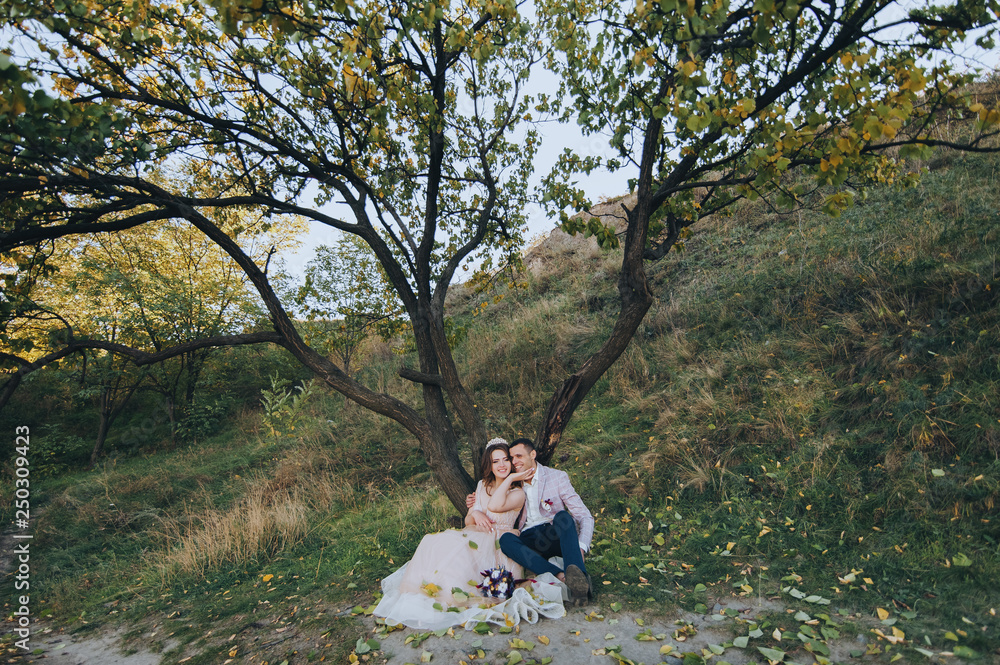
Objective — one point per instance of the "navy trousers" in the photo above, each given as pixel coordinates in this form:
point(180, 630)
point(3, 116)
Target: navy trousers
point(534, 546)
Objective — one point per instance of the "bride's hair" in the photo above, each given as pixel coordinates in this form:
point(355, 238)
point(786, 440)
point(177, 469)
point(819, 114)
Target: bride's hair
point(486, 464)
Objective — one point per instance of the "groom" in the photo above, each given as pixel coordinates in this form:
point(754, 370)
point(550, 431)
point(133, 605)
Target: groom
point(554, 522)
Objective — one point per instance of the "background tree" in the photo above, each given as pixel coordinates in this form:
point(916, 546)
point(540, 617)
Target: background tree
point(177, 285)
point(347, 298)
point(153, 286)
point(804, 103)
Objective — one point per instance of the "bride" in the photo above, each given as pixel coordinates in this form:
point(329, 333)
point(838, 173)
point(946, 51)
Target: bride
point(447, 566)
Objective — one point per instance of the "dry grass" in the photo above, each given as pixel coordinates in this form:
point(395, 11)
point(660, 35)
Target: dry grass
point(274, 514)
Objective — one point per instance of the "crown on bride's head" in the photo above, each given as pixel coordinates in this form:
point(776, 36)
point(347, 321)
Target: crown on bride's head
point(498, 441)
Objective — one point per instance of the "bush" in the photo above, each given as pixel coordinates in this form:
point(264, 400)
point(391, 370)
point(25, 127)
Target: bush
point(55, 451)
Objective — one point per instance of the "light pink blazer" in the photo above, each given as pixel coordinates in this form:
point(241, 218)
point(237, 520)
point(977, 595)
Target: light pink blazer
point(556, 493)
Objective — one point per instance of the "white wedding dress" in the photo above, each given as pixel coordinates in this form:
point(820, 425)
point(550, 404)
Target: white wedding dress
point(437, 587)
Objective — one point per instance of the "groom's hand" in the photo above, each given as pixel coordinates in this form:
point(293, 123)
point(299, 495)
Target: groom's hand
point(470, 501)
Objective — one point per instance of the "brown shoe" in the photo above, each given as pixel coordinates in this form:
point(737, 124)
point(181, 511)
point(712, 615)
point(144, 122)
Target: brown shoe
point(579, 585)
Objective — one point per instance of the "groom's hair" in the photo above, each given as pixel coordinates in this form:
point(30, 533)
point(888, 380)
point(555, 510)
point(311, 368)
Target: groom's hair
point(527, 443)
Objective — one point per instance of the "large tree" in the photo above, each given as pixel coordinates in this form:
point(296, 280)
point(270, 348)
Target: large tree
point(411, 120)
point(401, 124)
point(710, 103)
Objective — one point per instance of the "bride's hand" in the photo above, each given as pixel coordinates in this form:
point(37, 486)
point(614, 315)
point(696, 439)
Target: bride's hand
point(527, 475)
point(481, 521)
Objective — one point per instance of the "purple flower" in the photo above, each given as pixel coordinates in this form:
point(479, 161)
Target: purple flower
point(498, 582)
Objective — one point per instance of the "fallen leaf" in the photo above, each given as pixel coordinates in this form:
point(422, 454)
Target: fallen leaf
point(773, 655)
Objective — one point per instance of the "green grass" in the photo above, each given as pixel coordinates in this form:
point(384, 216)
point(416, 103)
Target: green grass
point(809, 408)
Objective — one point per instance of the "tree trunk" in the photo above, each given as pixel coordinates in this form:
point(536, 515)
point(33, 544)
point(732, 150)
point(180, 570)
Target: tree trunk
point(636, 298)
point(172, 417)
point(103, 426)
point(441, 451)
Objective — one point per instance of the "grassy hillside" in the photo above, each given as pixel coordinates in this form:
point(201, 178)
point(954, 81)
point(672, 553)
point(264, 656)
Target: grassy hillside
point(809, 409)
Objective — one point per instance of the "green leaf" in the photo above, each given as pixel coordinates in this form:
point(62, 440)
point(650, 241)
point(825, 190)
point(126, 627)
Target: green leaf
point(965, 652)
point(961, 560)
point(514, 657)
point(772, 654)
point(937, 472)
point(818, 600)
point(741, 642)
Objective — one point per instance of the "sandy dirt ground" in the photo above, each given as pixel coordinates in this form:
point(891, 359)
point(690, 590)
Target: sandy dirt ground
point(57, 648)
point(589, 635)
point(596, 634)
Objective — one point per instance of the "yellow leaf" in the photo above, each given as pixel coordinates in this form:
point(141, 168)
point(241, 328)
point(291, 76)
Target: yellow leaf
point(268, 577)
point(882, 614)
point(232, 652)
point(544, 640)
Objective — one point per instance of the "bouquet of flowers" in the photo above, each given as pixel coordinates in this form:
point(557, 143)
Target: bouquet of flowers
point(498, 582)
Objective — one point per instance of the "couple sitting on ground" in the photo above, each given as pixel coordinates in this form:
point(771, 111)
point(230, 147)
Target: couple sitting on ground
point(521, 515)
